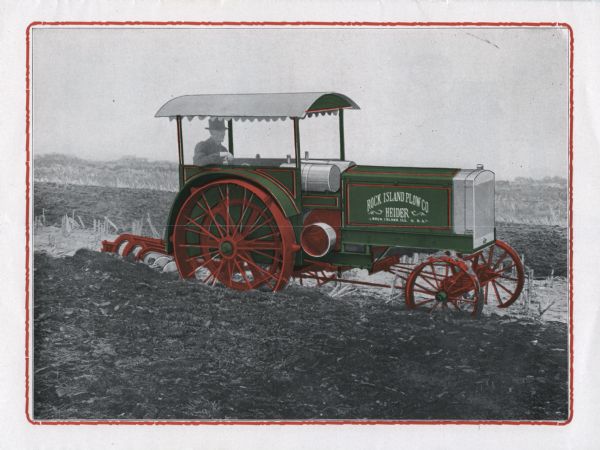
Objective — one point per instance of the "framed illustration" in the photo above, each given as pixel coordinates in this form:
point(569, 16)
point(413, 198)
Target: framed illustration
point(299, 223)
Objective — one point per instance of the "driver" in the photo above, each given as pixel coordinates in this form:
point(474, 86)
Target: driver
point(212, 151)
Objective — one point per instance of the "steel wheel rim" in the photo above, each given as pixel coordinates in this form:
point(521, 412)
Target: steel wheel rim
point(236, 232)
point(443, 283)
point(500, 272)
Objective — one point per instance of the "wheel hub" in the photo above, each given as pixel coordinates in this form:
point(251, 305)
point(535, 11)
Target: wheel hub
point(441, 296)
point(226, 248)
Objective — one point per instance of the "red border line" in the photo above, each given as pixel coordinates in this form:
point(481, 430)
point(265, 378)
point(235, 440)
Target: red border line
point(571, 337)
point(303, 23)
point(27, 231)
point(294, 24)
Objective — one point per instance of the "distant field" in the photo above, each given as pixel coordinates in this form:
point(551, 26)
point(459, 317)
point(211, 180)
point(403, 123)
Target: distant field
point(534, 202)
point(138, 173)
point(525, 201)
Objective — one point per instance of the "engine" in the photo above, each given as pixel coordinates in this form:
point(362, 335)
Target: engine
point(402, 207)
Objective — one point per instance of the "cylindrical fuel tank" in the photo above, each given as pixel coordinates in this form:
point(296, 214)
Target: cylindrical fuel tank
point(317, 239)
point(320, 177)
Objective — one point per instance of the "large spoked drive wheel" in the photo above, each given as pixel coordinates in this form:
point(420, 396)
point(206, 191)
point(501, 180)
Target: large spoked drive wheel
point(235, 233)
point(500, 272)
point(444, 283)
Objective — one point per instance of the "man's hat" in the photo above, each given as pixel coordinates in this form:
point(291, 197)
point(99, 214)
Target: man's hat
point(216, 124)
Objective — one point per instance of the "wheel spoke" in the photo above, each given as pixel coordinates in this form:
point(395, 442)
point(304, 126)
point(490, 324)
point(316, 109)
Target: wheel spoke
point(437, 282)
point(197, 245)
point(476, 258)
point(249, 261)
point(228, 272)
point(252, 219)
point(516, 280)
point(496, 282)
point(256, 225)
point(503, 269)
point(455, 279)
point(426, 289)
point(262, 238)
point(426, 278)
point(273, 257)
point(490, 255)
point(456, 306)
point(434, 307)
point(208, 277)
point(420, 291)
point(204, 264)
point(195, 258)
point(243, 273)
point(201, 207)
point(245, 208)
point(219, 269)
point(504, 255)
point(228, 219)
point(429, 274)
point(193, 221)
point(252, 245)
point(424, 302)
point(462, 300)
point(196, 231)
point(212, 215)
point(498, 297)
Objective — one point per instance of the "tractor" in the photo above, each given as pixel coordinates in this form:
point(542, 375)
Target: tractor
point(257, 222)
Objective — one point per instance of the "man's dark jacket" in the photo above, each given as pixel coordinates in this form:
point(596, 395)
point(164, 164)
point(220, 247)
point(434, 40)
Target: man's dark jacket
point(207, 152)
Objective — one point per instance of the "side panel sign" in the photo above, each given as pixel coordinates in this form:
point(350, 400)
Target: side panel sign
point(401, 206)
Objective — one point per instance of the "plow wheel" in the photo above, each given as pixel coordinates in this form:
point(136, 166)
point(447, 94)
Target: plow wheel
point(444, 283)
point(500, 272)
point(237, 233)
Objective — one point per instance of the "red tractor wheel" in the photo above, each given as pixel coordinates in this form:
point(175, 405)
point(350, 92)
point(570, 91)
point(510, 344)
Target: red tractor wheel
point(444, 283)
point(238, 233)
point(500, 272)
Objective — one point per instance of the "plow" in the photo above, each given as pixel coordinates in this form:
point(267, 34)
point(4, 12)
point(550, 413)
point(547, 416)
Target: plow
point(494, 276)
point(257, 223)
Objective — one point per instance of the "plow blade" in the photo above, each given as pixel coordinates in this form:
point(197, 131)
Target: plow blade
point(138, 246)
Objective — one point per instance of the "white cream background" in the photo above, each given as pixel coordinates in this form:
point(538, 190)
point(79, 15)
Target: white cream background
point(16, 432)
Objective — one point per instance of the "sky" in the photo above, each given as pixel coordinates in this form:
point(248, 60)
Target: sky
point(428, 97)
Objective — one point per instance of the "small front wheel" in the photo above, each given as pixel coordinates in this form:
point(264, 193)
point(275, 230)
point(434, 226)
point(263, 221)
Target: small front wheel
point(500, 272)
point(444, 283)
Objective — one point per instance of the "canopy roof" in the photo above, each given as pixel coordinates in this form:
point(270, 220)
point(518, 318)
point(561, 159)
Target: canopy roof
point(256, 106)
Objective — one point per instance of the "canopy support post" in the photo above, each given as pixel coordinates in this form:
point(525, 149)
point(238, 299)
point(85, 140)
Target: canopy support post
point(298, 177)
point(297, 141)
point(230, 135)
point(180, 147)
point(342, 147)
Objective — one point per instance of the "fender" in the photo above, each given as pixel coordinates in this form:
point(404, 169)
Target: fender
point(283, 198)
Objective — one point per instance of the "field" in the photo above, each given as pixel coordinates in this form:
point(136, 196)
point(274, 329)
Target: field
point(161, 348)
point(117, 339)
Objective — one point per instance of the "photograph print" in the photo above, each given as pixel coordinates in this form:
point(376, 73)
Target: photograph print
point(302, 223)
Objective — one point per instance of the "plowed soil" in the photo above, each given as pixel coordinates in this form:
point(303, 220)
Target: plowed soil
point(114, 339)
